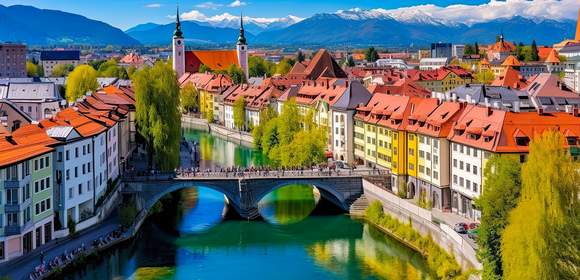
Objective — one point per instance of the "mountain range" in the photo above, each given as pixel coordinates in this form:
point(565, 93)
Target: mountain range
point(356, 27)
point(49, 27)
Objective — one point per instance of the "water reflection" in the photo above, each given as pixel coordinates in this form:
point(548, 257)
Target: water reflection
point(200, 214)
point(215, 151)
point(289, 204)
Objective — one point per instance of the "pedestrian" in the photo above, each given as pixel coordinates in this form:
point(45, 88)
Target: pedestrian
point(42, 257)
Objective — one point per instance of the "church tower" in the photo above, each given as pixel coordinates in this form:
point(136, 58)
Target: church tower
point(178, 49)
point(242, 49)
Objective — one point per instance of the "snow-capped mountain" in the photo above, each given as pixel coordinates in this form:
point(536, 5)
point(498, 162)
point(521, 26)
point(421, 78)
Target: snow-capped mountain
point(251, 24)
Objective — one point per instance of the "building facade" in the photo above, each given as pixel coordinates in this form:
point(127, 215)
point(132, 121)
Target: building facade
point(12, 61)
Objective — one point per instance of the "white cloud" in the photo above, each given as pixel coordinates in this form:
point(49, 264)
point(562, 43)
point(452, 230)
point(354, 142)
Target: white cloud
point(471, 14)
point(194, 15)
point(153, 5)
point(209, 5)
point(237, 3)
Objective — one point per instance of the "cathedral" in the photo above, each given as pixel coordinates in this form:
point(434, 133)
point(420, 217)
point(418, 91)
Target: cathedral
point(190, 61)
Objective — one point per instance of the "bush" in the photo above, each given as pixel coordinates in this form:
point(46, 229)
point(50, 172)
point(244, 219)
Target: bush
point(442, 264)
point(127, 214)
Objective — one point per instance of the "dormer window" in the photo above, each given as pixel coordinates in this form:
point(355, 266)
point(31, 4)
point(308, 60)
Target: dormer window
point(522, 141)
point(487, 138)
point(572, 141)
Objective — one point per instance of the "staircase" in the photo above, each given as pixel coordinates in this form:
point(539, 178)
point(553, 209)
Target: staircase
point(359, 206)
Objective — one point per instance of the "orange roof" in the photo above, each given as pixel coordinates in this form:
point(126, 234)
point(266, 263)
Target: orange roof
point(84, 125)
point(552, 57)
point(510, 78)
point(502, 46)
point(440, 121)
point(511, 61)
point(18, 153)
point(578, 27)
point(484, 61)
point(216, 59)
point(489, 121)
point(531, 125)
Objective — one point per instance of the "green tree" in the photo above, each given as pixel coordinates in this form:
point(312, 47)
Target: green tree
point(290, 121)
point(80, 81)
point(236, 74)
point(283, 67)
point(300, 56)
point(62, 70)
point(32, 69)
point(476, 48)
point(271, 136)
point(502, 189)
point(110, 68)
point(204, 69)
point(259, 67)
point(350, 61)
point(534, 52)
point(469, 49)
point(520, 51)
point(541, 240)
point(371, 54)
point(131, 70)
point(157, 113)
point(189, 98)
point(239, 112)
point(485, 77)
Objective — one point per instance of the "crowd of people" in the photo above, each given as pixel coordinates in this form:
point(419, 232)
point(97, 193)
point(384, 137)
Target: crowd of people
point(60, 261)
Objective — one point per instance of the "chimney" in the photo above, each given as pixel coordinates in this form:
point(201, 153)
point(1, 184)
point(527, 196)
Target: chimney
point(516, 106)
point(540, 111)
point(489, 111)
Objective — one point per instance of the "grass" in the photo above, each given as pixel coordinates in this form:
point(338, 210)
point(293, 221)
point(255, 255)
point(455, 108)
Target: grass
point(442, 264)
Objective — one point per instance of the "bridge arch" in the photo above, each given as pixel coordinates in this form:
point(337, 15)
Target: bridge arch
point(326, 191)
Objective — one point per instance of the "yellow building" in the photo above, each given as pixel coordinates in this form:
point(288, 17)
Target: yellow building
point(443, 79)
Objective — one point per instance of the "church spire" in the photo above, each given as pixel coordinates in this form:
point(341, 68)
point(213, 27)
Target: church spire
point(177, 33)
point(242, 38)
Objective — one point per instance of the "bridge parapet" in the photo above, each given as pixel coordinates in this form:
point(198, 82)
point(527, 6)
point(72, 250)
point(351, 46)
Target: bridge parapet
point(244, 190)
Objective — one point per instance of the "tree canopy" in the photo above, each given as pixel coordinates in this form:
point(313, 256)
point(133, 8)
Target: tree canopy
point(300, 56)
point(284, 66)
point(236, 74)
point(502, 189)
point(80, 81)
point(240, 112)
point(371, 54)
point(33, 70)
point(62, 70)
point(485, 76)
point(541, 240)
point(189, 98)
point(259, 67)
point(157, 113)
point(110, 68)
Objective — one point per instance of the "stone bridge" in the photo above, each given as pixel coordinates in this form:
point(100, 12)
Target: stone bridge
point(244, 190)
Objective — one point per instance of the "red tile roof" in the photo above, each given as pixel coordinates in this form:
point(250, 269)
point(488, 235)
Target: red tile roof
point(214, 59)
point(510, 78)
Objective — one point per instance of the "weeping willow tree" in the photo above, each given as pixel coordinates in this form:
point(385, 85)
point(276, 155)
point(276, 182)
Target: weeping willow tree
point(157, 113)
point(541, 240)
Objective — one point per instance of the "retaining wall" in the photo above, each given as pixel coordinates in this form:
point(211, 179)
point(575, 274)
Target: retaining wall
point(422, 221)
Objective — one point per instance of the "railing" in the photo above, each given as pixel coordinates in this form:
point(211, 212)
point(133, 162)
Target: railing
point(251, 174)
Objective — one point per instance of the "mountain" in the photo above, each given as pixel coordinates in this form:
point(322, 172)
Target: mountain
point(142, 27)
point(252, 25)
point(404, 29)
point(35, 26)
point(194, 33)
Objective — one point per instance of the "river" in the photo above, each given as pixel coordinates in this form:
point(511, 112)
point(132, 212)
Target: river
point(300, 237)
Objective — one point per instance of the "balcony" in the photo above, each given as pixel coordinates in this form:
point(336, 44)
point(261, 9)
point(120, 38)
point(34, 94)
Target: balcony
point(15, 207)
point(12, 230)
point(11, 184)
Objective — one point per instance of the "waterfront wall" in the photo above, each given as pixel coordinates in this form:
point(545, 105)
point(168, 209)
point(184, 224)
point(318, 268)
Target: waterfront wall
point(423, 221)
point(219, 130)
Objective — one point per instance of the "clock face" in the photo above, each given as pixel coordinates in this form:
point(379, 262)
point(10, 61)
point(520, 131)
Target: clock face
point(179, 42)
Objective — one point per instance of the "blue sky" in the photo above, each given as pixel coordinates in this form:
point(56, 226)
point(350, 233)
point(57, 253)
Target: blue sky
point(127, 13)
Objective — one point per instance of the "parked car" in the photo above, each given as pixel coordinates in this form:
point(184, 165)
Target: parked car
point(460, 228)
point(472, 226)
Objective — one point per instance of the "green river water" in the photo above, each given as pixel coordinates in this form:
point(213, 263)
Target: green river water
point(297, 239)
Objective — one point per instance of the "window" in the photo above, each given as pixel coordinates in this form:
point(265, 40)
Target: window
point(436, 143)
point(461, 181)
point(2, 254)
point(461, 165)
point(35, 165)
point(468, 151)
point(70, 192)
point(36, 188)
point(461, 149)
point(474, 170)
point(468, 184)
point(455, 163)
point(435, 175)
point(411, 166)
point(411, 152)
point(421, 154)
point(80, 189)
point(46, 162)
point(468, 167)
point(59, 157)
point(475, 187)
point(435, 159)
point(454, 147)
point(474, 152)
point(76, 152)
point(12, 219)
point(12, 196)
point(454, 179)
point(428, 156)
point(67, 155)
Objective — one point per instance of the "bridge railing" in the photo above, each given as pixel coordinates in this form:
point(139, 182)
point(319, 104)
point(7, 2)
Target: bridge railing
point(250, 174)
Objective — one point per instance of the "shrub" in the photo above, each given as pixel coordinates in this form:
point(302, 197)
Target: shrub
point(438, 260)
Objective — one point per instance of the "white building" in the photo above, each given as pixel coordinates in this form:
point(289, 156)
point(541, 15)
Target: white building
point(458, 51)
point(39, 100)
point(391, 62)
point(50, 59)
point(432, 63)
